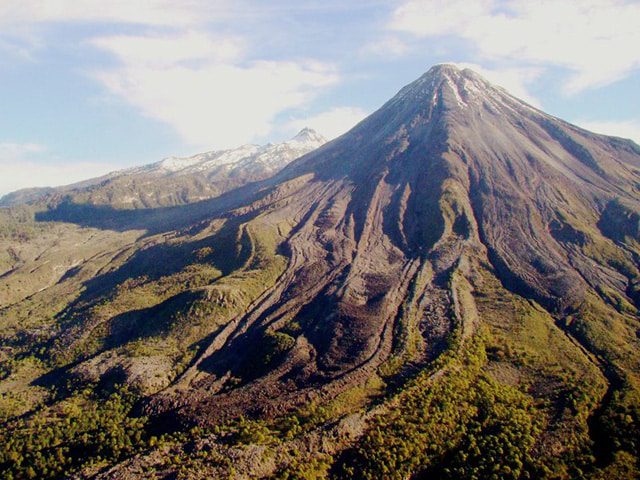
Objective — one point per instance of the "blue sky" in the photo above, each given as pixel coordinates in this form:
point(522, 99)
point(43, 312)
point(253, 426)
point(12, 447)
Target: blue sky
point(90, 86)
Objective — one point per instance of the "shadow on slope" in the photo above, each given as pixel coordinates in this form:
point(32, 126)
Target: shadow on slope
point(154, 220)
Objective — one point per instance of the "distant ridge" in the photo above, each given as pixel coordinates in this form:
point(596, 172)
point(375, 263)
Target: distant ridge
point(177, 180)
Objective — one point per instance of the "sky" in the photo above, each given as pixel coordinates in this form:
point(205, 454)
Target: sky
point(92, 86)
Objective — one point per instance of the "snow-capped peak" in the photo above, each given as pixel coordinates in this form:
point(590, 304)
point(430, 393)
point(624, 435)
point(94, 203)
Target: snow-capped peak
point(309, 136)
point(270, 156)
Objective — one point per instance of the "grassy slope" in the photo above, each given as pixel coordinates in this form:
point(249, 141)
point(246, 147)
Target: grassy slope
point(173, 313)
point(519, 398)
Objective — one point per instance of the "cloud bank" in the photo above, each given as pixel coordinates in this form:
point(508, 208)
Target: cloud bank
point(27, 165)
point(593, 39)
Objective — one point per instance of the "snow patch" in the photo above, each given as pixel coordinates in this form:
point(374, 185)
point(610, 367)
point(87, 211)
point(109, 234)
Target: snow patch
point(271, 156)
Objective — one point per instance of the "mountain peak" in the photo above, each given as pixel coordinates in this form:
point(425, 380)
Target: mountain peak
point(309, 135)
point(443, 68)
point(454, 89)
point(452, 71)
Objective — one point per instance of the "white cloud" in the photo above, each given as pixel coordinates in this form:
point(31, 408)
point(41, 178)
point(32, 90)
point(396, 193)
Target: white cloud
point(23, 166)
point(624, 128)
point(166, 51)
point(145, 12)
point(199, 85)
point(19, 47)
point(331, 123)
point(174, 68)
point(594, 39)
point(438, 17)
point(11, 151)
point(386, 47)
point(23, 22)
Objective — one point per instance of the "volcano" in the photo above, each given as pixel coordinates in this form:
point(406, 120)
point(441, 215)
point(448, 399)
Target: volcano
point(449, 290)
point(450, 175)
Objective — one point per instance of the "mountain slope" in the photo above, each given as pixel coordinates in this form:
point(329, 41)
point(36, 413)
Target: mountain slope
point(450, 174)
point(176, 180)
point(449, 290)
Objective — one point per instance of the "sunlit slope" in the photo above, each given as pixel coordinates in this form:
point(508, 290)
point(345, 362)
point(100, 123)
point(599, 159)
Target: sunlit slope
point(449, 290)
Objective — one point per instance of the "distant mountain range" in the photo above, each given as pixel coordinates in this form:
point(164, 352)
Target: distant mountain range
point(450, 290)
point(176, 180)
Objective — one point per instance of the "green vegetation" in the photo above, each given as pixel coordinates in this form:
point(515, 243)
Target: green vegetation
point(315, 468)
point(80, 431)
point(139, 295)
point(18, 224)
point(17, 395)
point(486, 415)
point(518, 393)
point(408, 340)
point(267, 352)
point(498, 439)
point(460, 423)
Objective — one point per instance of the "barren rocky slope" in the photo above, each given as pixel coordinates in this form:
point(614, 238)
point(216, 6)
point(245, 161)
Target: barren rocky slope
point(449, 290)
